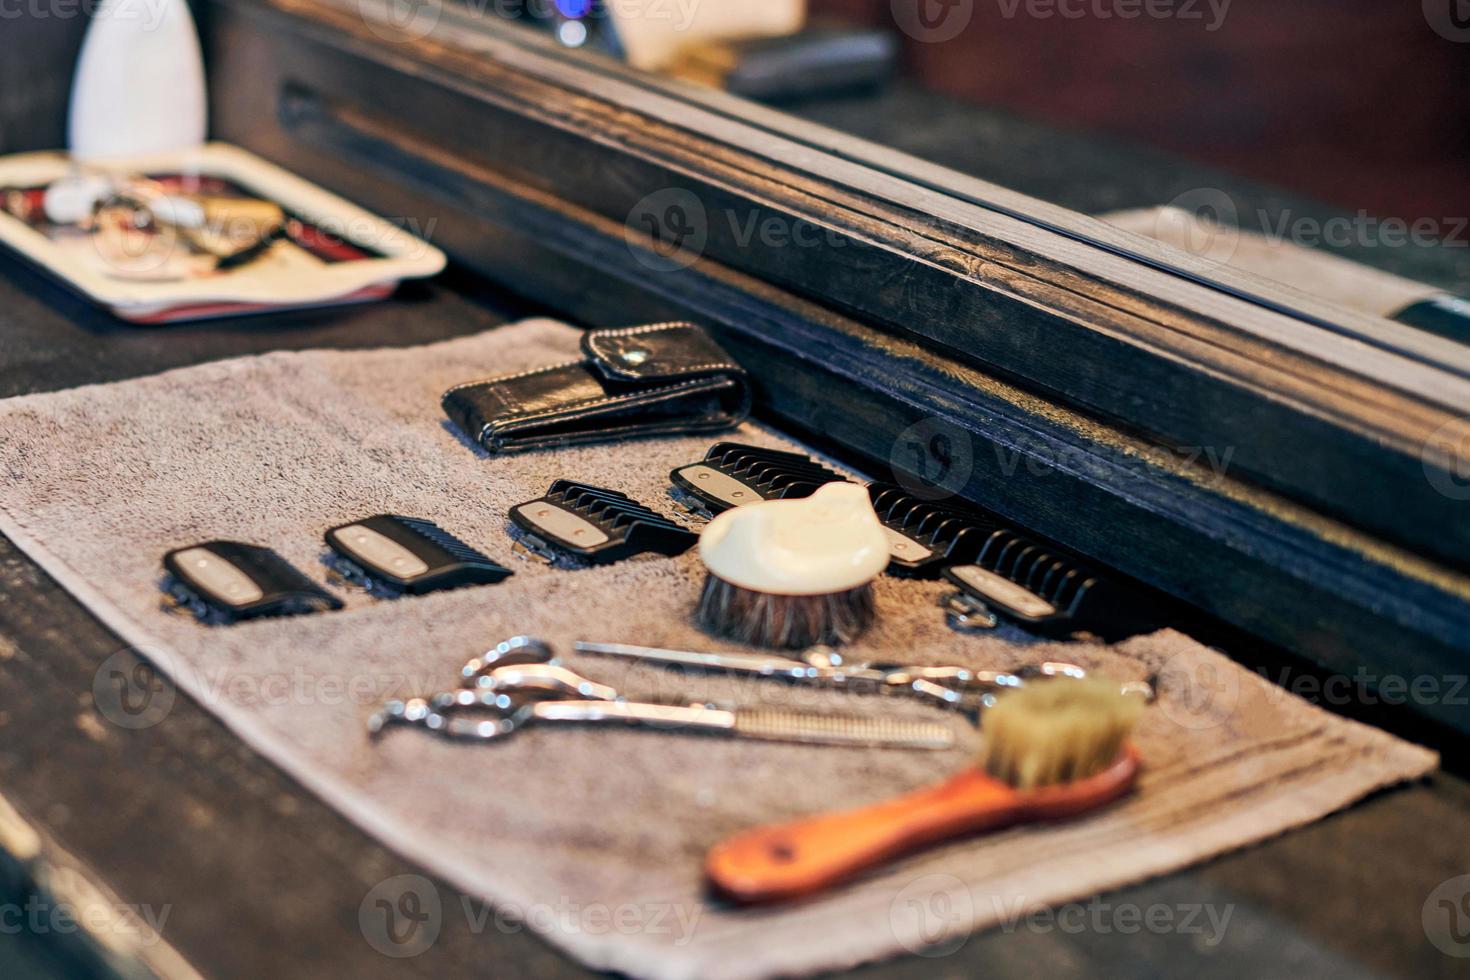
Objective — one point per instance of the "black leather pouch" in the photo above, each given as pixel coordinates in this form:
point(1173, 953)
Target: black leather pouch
point(664, 379)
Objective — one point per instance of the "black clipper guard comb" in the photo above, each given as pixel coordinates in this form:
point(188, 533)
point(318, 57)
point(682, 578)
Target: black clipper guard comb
point(596, 525)
point(1042, 588)
point(924, 537)
point(399, 555)
point(226, 581)
point(732, 475)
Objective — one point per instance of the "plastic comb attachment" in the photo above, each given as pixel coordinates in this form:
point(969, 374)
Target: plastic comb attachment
point(597, 525)
point(227, 581)
point(409, 555)
point(925, 537)
point(1041, 587)
point(733, 474)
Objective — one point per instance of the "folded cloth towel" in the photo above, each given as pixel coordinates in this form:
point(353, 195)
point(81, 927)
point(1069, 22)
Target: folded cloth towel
point(594, 837)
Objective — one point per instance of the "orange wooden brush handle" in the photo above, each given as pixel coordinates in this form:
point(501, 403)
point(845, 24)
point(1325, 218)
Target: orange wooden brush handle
point(773, 864)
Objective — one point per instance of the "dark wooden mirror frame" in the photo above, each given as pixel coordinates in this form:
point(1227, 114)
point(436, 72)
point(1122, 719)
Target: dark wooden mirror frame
point(1091, 373)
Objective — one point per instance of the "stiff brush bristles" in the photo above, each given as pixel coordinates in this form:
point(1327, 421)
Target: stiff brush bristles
point(781, 621)
point(1057, 731)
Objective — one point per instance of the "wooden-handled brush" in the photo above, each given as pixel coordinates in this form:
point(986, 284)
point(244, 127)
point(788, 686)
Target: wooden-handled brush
point(1052, 751)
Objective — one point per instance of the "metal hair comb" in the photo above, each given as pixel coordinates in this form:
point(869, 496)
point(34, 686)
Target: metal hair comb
point(518, 683)
point(596, 525)
point(733, 475)
point(507, 716)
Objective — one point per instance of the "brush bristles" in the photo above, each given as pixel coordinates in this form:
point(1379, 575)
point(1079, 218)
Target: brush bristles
point(1057, 731)
point(782, 621)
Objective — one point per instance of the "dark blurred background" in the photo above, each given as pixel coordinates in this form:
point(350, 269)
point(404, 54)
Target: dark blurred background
point(37, 55)
point(1359, 103)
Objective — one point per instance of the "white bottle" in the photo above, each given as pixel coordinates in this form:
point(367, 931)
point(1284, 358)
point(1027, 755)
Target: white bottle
point(139, 85)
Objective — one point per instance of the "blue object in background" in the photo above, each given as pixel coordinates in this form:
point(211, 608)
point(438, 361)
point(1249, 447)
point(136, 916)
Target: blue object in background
point(575, 9)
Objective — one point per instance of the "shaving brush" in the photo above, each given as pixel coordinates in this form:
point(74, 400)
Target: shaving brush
point(1058, 731)
point(1054, 750)
point(790, 574)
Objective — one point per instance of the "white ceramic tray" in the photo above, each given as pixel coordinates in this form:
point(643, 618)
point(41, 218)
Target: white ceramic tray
point(380, 255)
